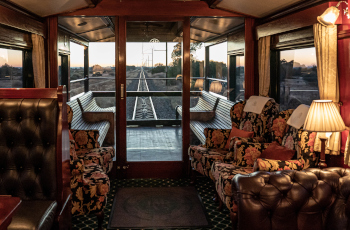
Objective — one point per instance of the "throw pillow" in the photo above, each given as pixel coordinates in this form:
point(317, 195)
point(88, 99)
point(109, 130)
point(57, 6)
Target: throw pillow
point(216, 138)
point(238, 133)
point(277, 152)
point(277, 165)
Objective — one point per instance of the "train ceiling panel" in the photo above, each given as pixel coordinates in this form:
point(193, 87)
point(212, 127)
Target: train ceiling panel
point(81, 24)
point(256, 8)
point(145, 31)
point(98, 35)
point(216, 25)
point(45, 8)
point(200, 35)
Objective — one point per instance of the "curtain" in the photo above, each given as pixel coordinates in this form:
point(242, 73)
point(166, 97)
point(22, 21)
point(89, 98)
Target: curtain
point(264, 65)
point(38, 57)
point(325, 38)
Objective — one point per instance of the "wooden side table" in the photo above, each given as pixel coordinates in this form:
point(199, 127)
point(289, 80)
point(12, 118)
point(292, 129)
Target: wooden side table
point(8, 206)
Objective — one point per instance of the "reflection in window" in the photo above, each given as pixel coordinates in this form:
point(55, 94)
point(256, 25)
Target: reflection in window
point(11, 68)
point(59, 59)
point(76, 69)
point(218, 69)
point(102, 66)
point(197, 66)
point(298, 78)
point(240, 86)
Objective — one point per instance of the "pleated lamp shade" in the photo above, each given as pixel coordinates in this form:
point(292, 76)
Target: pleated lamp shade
point(215, 87)
point(199, 83)
point(323, 116)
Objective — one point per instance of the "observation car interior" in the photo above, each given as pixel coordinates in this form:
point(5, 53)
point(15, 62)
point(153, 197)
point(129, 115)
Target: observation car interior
point(183, 114)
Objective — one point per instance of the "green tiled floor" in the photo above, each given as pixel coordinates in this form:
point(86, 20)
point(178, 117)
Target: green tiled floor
point(219, 219)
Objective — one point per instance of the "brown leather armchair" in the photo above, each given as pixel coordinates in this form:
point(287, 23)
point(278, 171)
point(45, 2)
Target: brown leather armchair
point(297, 200)
point(33, 146)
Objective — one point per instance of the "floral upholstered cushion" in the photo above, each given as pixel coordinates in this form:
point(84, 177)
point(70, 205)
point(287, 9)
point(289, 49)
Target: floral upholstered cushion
point(269, 165)
point(223, 174)
point(216, 138)
point(247, 153)
point(307, 153)
point(86, 139)
point(89, 193)
point(203, 158)
point(236, 113)
point(102, 156)
point(280, 126)
point(237, 133)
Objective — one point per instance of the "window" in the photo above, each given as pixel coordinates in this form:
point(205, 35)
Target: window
point(237, 84)
point(102, 66)
point(298, 78)
point(76, 69)
point(197, 66)
point(218, 69)
point(11, 63)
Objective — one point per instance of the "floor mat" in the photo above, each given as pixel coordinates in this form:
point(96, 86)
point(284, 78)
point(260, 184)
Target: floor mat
point(162, 207)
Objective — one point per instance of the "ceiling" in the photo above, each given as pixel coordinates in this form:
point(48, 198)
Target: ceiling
point(101, 29)
point(256, 8)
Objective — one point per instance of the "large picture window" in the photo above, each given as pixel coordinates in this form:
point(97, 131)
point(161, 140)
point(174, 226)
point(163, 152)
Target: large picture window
point(11, 63)
point(298, 78)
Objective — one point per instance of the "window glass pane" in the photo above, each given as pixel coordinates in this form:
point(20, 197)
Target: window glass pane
point(218, 61)
point(59, 59)
point(240, 85)
point(298, 78)
point(197, 66)
point(76, 61)
point(102, 66)
point(76, 88)
point(11, 68)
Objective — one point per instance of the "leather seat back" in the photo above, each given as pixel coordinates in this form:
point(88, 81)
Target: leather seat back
point(28, 129)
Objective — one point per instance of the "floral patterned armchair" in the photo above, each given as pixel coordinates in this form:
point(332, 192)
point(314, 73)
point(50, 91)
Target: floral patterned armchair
point(246, 153)
point(202, 157)
point(90, 164)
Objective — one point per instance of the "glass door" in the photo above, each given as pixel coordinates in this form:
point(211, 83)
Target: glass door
point(153, 93)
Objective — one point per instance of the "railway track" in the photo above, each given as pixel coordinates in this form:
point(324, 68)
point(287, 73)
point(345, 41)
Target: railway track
point(143, 108)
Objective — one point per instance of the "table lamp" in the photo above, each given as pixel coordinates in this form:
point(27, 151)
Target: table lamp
point(215, 87)
point(324, 117)
point(199, 84)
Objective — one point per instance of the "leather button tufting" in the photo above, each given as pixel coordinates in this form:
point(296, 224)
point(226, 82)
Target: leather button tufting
point(39, 118)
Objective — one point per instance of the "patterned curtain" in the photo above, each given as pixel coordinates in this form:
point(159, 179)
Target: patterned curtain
point(38, 57)
point(264, 66)
point(325, 38)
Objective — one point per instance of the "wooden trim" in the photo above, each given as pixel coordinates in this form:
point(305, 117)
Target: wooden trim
point(120, 29)
point(294, 21)
point(155, 169)
point(251, 77)
point(14, 93)
point(15, 19)
point(53, 51)
point(186, 87)
point(151, 8)
point(342, 34)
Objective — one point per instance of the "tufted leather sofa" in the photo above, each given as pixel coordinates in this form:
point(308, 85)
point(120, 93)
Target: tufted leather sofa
point(31, 159)
point(301, 200)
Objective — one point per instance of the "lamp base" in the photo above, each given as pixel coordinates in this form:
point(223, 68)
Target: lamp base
point(322, 164)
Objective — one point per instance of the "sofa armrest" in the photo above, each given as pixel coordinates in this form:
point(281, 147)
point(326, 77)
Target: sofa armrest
point(216, 138)
point(271, 165)
point(98, 116)
point(77, 167)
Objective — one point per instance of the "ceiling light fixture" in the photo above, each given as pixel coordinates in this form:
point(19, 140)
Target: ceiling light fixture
point(331, 15)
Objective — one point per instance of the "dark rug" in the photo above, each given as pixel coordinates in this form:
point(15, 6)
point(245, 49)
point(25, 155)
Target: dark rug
point(163, 207)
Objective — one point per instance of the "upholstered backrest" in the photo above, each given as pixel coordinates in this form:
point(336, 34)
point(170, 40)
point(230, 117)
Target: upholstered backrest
point(279, 126)
point(306, 142)
point(28, 134)
point(260, 123)
point(236, 113)
point(75, 108)
point(312, 199)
